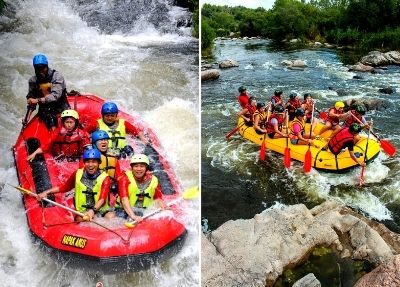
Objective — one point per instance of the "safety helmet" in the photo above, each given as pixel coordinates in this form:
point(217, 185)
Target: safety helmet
point(40, 59)
point(109, 108)
point(299, 112)
point(292, 96)
point(360, 109)
point(70, 113)
point(278, 92)
point(140, 158)
point(355, 128)
point(91, 153)
point(242, 89)
point(260, 105)
point(279, 109)
point(99, 135)
point(339, 105)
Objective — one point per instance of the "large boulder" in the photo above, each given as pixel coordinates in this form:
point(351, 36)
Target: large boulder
point(376, 58)
point(255, 252)
point(394, 57)
point(294, 65)
point(208, 75)
point(385, 275)
point(225, 64)
point(369, 103)
point(360, 67)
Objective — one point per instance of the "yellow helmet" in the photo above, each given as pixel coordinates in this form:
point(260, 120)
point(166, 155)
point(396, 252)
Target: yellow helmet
point(339, 105)
point(70, 113)
point(140, 158)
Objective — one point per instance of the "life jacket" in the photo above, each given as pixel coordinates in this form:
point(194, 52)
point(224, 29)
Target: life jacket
point(263, 118)
point(302, 124)
point(243, 100)
point(251, 109)
point(338, 141)
point(69, 144)
point(270, 126)
point(293, 105)
point(116, 132)
point(333, 121)
point(147, 193)
point(275, 99)
point(108, 164)
point(350, 120)
point(87, 191)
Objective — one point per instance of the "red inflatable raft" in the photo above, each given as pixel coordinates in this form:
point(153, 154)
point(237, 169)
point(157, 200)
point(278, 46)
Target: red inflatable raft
point(110, 244)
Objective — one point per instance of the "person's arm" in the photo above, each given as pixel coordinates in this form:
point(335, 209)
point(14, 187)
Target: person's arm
point(242, 114)
point(158, 197)
point(130, 129)
point(33, 155)
point(67, 186)
point(361, 163)
point(256, 123)
point(274, 122)
point(123, 184)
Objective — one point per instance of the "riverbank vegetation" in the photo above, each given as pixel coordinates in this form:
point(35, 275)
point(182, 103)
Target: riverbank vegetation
point(361, 24)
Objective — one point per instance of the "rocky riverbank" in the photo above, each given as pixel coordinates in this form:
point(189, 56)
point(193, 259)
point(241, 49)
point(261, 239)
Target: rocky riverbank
point(255, 252)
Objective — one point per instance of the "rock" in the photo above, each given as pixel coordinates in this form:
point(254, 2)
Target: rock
point(228, 64)
point(394, 57)
point(307, 281)
point(327, 45)
point(294, 65)
point(287, 63)
point(358, 77)
point(360, 67)
point(375, 58)
point(255, 252)
point(387, 90)
point(294, 41)
point(211, 74)
point(317, 44)
point(369, 103)
point(206, 67)
point(384, 275)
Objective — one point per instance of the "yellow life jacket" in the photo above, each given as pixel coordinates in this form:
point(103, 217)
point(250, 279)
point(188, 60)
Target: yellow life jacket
point(117, 134)
point(134, 191)
point(108, 164)
point(302, 124)
point(262, 120)
point(45, 88)
point(81, 191)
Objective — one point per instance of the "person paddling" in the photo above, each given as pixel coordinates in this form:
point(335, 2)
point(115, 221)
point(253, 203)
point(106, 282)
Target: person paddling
point(357, 113)
point(335, 114)
point(292, 105)
point(138, 189)
point(297, 130)
point(243, 97)
point(259, 118)
point(276, 99)
point(275, 123)
point(248, 111)
point(48, 90)
point(91, 188)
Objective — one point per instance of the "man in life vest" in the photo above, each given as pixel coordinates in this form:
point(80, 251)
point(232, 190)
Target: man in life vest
point(47, 89)
point(275, 122)
point(117, 130)
point(260, 118)
point(248, 111)
point(292, 105)
point(276, 99)
point(138, 189)
point(297, 129)
point(335, 114)
point(243, 97)
point(66, 142)
point(91, 187)
point(347, 137)
point(358, 112)
point(308, 106)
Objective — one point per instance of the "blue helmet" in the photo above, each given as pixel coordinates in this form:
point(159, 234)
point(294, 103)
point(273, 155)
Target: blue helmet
point(99, 135)
point(109, 108)
point(40, 59)
point(91, 154)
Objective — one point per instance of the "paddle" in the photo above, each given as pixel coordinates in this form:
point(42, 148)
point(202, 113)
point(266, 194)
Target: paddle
point(263, 145)
point(27, 191)
point(385, 144)
point(286, 158)
point(29, 110)
point(190, 193)
point(233, 131)
point(322, 115)
point(307, 158)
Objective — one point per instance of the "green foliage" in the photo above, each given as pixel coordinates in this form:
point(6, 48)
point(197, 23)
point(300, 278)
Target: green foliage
point(207, 35)
point(2, 5)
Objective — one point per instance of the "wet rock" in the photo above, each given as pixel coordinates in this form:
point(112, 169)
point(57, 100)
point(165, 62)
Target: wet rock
point(228, 64)
point(294, 65)
point(394, 57)
point(255, 252)
point(375, 58)
point(360, 67)
point(369, 103)
point(358, 77)
point(307, 281)
point(385, 275)
point(206, 66)
point(211, 74)
point(387, 90)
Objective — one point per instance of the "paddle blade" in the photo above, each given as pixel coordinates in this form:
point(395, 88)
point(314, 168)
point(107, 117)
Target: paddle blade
point(388, 147)
point(191, 193)
point(307, 161)
point(228, 135)
point(286, 159)
point(262, 151)
point(130, 224)
point(323, 116)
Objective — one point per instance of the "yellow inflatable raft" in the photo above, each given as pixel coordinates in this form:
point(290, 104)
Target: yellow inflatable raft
point(321, 159)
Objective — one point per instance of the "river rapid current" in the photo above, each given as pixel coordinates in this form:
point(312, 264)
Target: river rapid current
point(236, 185)
point(130, 52)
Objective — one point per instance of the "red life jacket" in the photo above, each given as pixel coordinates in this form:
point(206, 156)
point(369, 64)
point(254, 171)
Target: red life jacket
point(243, 100)
point(276, 99)
point(270, 126)
point(350, 120)
point(70, 144)
point(340, 140)
point(293, 105)
point(251, 109)
point(308, 109)
point(333, 121)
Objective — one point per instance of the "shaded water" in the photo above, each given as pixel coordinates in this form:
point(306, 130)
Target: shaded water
point(148, 70)
point(236, 185)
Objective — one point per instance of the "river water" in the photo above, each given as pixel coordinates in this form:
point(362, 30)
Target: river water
point(236, 185)
point(131, 52)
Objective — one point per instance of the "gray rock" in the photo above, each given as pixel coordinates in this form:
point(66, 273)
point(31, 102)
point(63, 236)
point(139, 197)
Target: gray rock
point(360, 67)
point(307, 281)
point(387, 90)
point(208, 75)
point(385, 275)
point(228, 64)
